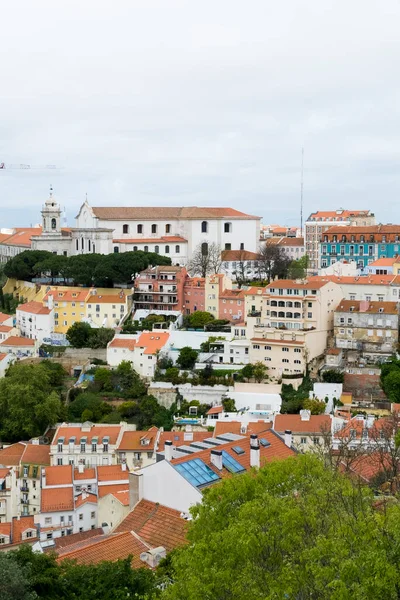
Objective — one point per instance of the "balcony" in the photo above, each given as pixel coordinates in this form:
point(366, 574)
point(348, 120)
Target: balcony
point(25, 501)
point(254, 313)
point(24, 488)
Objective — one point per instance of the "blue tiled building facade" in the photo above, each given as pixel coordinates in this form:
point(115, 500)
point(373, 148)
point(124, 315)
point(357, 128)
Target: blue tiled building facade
point(362, 245)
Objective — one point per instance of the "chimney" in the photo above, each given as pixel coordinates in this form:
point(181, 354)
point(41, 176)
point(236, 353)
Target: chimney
point(135, 489)
point(216, 459)
point(288, 438)
point(43, 478)
point(305, 415)
point(81, 468)
point(123, 466)
point(168, 450)
point(364, 304)
point(254, 451)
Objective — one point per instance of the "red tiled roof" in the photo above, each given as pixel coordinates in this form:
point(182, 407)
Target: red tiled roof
point(57, 499)
point(214, 410)
point(111, 547)
point(178, 438)
point(33, 307)
point(4, 317)
point(58, 475)
point(67, 295)
point(111, 473)
point(162, 212)
point(74, 538)
point(119, 298)
point(123, 342)
point(156, 524)
point(334, 351)
point(100, 431)
point(14, 340)
point(20, 526)
point(11, 455)
point(359, 425)
point(5, 328)
point(316, 424)
point(384, 262)
point(36, 454)
point(84, 498)
point(122, 496)
point(358, 306)
point(153, 341)
point(22, 236)
point(3, 355)
point(88, 473)
point(4, 472)
point(5, 529)
point(362, 280)
point(368, 466)
point(104, 490)
point(275, 451)
point(232, 294)
point(131, 440)
point(336, 214)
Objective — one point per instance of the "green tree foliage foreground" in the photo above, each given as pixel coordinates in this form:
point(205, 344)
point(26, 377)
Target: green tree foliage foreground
point(28, 401)
point(295, 530)
point(82, 335)
point(25, 575)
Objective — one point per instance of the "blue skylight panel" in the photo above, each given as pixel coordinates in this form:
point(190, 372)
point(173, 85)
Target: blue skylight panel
point(232, 465)
point(197, 472)
point(238, 450)
point(264, 442)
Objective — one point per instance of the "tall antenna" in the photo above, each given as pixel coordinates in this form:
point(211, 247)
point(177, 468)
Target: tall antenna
point(301, 191)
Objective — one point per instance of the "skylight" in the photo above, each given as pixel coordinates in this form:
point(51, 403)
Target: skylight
point(232, 465)
point(238, 450)
point(264, 442)
point(196, 472)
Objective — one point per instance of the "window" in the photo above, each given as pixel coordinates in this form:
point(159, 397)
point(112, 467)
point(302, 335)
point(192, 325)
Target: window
point(309, 315)
point(49, 536)
point(297, 349)
point(59, 461)
point(125, 228)
point(370, 332)
point(303, 440)
point(146, 249)
point(256, 347)
point(204, 248)
point(297, 361)
point(227, 227)
point(228, 246)
point(204, 227)
point(29, 534)
point(285, 360)
point(81, 516)
point(116, 249)
point(316, 441)
point(157, 249)
point(166, 249)
point(135, 248)
point(47, 521)
point(92, 515)
point(177, 249)
point(241, 245)
point(154, 228)
point(140, 228)
point(168, 228)
point(285, 349)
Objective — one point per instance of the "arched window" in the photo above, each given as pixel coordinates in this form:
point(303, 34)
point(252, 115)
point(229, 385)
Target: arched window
point(227, 227)
point(281, 303)
point(289, 304)
point(83, 243)
point(125, 228)
point(168, 228)
point(281, 314)
point(204, 227)
point(94, 248)
point(116, 249)
point(166, 249)
point(297, 315)
point(177, 249)
point(89, 245)
point(146, 248)
point(274, 313)
point(157, 249)
point(154, 228)
point(77, 244)
point(289, 315)
point(135, 248)
point(44, 223)
point(140, 228)
point(53, 224)
point(204, 248)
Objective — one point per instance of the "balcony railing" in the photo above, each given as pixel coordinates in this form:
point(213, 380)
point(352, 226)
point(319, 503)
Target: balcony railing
point(24, 488)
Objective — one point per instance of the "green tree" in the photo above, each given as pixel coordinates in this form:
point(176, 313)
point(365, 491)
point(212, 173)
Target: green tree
point(298, 268)
point(55, 372)
point(332, 376)
point(99, 338)
point(152, 413)
point(128, 409)
point(103, 379)
point(391, 385)
point(79, 335)
point(87, 401)
point(14, 582)
point(295, 529)
point(248, 371)
point(317, 407)
point(200, 318)
point(260, 371)
point(206, 374)
point(229, 405)
point(187, 357)
point(27, 404)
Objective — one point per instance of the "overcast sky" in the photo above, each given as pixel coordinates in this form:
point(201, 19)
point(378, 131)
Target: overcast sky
point(168, 102)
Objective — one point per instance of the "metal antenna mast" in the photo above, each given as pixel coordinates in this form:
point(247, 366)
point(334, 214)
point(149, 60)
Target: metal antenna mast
point(301, 191)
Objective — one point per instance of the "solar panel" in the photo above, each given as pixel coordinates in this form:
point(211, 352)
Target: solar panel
point(230, 463)
point(264, 442)
point(238, 450)
point(196, 472)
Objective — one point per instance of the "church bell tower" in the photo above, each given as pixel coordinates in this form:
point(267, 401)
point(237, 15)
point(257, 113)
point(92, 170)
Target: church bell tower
point(51, 216)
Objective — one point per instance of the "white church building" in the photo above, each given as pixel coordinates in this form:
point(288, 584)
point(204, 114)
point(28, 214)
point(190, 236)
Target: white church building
point(172, 232)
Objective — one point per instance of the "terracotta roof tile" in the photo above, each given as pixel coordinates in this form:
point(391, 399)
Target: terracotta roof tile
point(131, 440)
point(222, 427)
point(384, 262)
point(4, 471)
point(96, 431)
point(238, 255)
point(3, 355)
point(178, 438)
point(36, 454)
point(74, 538)
point(88, 473)
point(107, 547)
point(33, 307)
point(156, 524)
point(11, 455)
point(5, 328)
point(293, 423)
point(22, 236)
point(107, 298)
point(67, 295)
point(336, 214)
point(359, 426)
point(104, 490)
point(153, 341)
point(358, 306)
point(14, 340)
point(84, 498)
point(134, 213)
point(20, 526)
point(5, 529)
point(4, 317)
point(333, 351)
point(368, 465)
point(214, 410)
point(57, 499)
point(58, 475)
point(311, 284)
point(123, 342)
point(111, 473)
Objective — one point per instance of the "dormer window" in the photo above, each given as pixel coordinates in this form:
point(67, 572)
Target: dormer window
point(351, 308)
point(334, 238)
point(362, 238)
point(381, 310)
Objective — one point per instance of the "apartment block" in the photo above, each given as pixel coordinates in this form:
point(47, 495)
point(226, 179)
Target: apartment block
point(193, 295)
point(371, 328)
point(318, 222)
point(215, 285)
point(160, 288)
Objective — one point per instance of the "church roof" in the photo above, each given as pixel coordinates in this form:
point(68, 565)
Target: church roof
point(135, 213)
